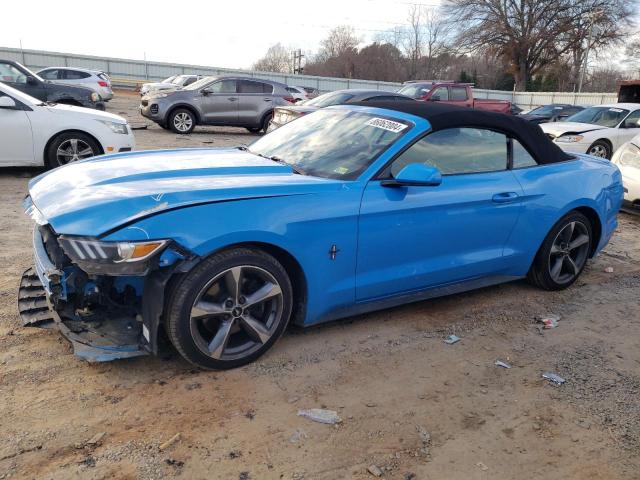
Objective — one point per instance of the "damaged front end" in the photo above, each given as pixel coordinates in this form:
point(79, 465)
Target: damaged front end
point(106, 298)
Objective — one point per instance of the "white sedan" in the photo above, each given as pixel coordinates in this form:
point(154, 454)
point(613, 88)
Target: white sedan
point(627, 158)
point(598, 130)
point(34, 133)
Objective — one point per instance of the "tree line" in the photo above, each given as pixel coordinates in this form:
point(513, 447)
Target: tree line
point(532, 45)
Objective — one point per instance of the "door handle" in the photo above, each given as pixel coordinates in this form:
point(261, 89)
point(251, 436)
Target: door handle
point(232, 99)
point(505, 197)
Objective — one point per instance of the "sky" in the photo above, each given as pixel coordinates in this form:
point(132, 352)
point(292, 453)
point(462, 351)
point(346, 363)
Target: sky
point(232, 34)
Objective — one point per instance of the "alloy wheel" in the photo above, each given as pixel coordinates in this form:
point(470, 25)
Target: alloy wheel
point(598, 151)
point(182, 121)
point(73, 149)
point(236, 312)
point(569, 252)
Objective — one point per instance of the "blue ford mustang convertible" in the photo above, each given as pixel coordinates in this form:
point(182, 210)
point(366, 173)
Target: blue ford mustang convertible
point(346, 210)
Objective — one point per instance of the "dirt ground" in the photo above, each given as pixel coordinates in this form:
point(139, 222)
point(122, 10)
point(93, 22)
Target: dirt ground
point(411, 405)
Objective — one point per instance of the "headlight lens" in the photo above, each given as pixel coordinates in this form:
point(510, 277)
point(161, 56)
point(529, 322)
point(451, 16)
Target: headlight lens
point(569, 138)
point(629, 156)
point(116, 127)
point(95, 97)
point(36, 215)
point(84, 250)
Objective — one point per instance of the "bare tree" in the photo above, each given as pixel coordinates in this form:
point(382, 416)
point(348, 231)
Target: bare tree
point(531, 34)
point(340, 40)
point(277, 59)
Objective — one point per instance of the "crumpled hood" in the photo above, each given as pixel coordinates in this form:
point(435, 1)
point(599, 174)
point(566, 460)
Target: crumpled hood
point(560, 128)
point(98, 195)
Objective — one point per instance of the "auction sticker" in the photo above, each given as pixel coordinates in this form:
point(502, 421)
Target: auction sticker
point(389, 125)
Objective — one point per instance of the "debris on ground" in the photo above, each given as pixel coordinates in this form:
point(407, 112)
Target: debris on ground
point(235, 454)
point(321, 415)
point(553, 377)
point(500, 363)
point(175, 463)
point(549, 321)
point(298, 436)
point(171, 441)
point(96, 439)
point(482, 466)
point(609, 269)
point(451, 339)
point(193, 386)
point(244, 476)
point(374, 470)
point(425, 437)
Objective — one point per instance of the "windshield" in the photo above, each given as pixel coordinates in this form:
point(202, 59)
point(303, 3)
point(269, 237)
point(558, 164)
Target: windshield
point(178, 80)
point(416, 90)
point(328, 99)
point(602, 116)
point(332, 143)
point(545, 110)
point(203, 82)
point(169, 80)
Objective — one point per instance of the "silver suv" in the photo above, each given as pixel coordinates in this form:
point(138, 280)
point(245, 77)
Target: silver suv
point(224, 101)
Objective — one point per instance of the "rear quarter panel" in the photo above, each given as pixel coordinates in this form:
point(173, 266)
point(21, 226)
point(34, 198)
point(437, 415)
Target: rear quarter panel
point(553, 190)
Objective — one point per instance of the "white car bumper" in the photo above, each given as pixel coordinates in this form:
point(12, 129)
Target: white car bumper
point(631, 182)
point(118, 142)
point(574, 147)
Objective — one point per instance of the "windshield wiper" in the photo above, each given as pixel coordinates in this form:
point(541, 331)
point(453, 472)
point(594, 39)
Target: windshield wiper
point(277, 159)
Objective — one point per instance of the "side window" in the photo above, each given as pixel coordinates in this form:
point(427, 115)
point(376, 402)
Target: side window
point(458, 94)
point(50, 75)
point(249, 86)
point(9, 73)
point(633, 120)
point(456, 151)
point(441, 94)
point(75, 75)
point(521, 158)
point(223, 86)
point(189, 81)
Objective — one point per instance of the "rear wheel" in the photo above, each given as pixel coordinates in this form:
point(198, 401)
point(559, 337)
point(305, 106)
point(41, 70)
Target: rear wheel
point(69, 147)
point(254, 129)
point(182, 121)
point(266, 121)
point(230, 309)
point(601, 149)
point(563, 254)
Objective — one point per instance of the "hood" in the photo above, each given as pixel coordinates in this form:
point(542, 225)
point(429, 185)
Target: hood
point(84, 113)
point(560, 128)
point(95, 196)
point(298, 110)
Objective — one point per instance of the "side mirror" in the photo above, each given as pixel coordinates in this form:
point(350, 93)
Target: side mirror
point(31, 80)
point(416, 175)
point(435, 98)
point(7, 102)
point(206, 91)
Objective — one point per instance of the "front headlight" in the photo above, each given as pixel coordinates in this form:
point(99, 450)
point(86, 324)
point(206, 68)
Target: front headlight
point(116, 127)
point(569, 138)
point(628, 156)
point(112, 258)
point(95, 97)
point(35, 215)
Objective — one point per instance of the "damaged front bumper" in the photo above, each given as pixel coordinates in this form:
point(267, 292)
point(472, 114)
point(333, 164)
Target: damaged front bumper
point(42, 302)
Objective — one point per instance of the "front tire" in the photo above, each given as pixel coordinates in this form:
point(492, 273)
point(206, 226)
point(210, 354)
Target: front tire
point(563, 254)
point(266, 121)
point(230, 309)
point(69, 147)
point(182, 121)
point(601, 149)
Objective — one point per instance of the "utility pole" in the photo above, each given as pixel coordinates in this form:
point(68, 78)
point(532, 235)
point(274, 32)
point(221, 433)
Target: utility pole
point(297, 62)
point(592, 18)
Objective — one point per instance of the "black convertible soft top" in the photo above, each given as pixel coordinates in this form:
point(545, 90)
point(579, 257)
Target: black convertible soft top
point(442, 115)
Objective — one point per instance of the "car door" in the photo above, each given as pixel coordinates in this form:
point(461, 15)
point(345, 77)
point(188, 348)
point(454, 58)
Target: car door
point(219, 102)
point(17, 79)
point(458, 96)
point(628, 129)
point(16, 141)
point(255, 99)
point(416, 237)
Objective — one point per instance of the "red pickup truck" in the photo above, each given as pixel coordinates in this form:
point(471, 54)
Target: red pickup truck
point(452, 93)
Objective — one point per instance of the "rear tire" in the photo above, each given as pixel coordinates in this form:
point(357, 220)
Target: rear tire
point(182, 121)
point(254, 129)
point(69, 147)
point(266, 121)
point(563, 254)
point(230, 309)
